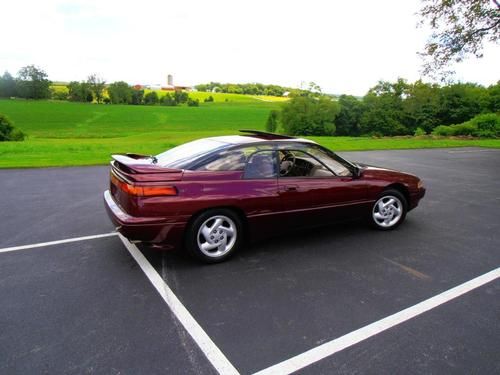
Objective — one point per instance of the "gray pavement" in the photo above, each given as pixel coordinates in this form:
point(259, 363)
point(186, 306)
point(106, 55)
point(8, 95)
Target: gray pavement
point(87, 307)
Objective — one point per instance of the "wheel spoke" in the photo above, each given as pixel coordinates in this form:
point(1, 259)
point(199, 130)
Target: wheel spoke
point(229, 230)
point(378, 216)
point(207, 246)
point(389, 203)
point(381, 206)
point(222, 245)
point(206, 233)
point(217, 223)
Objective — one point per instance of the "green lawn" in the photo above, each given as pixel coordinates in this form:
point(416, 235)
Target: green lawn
point(63, 133)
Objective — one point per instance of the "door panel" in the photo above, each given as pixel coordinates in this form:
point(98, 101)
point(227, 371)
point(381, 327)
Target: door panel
point(313, 201)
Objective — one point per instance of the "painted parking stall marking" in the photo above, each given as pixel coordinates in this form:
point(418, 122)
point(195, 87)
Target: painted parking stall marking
point(327, 349)
point(51, 243)
point(207, 346)
point(217, 358)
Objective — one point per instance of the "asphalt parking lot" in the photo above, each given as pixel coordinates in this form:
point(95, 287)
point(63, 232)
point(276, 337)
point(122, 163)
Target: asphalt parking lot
point(89, 306)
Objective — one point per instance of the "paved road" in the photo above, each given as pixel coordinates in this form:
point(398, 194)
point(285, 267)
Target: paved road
point(87, 307)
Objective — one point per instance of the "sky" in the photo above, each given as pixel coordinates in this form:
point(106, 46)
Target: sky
point(343, 46)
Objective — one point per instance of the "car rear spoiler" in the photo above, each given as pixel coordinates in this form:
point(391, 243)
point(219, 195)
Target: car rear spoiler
point(138, 167)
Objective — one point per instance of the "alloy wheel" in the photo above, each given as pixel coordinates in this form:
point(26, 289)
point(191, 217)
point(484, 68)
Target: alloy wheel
point(387, 211)
point(217, 236)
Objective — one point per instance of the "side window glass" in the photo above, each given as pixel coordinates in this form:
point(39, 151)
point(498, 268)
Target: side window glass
point(227, 161)
point(338, 168)
point(295, 163)
point(261, 164)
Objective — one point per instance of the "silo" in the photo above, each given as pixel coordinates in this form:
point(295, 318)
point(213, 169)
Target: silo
point(170, 80)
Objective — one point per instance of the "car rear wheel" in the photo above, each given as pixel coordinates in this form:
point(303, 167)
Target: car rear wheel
point(214, 235)
point(389, 211)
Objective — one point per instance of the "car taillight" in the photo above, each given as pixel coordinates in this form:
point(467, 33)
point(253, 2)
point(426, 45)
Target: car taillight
point(143, 191)
point(157, 190)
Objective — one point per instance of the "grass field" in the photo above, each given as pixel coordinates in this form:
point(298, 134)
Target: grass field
point(63, 133)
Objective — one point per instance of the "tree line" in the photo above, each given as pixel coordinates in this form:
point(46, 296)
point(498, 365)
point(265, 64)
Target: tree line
point(388, 109)
point(32, 83)
point(244, 88)
point(393, 109)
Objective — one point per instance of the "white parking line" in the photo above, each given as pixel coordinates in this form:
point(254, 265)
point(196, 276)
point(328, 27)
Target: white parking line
point(219, 360)
point(205, 343)
point(327, 349)
point(43, 244)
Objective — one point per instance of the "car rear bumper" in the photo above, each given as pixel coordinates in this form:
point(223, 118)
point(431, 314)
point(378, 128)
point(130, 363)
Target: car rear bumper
point(155, 230)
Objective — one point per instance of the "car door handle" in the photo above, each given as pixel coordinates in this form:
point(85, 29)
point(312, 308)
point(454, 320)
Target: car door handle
point(290, 188)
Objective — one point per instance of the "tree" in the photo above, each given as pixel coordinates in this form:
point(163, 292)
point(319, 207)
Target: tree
point(272, 121)
point(305, 115)
point(349, 118)
point(137, 97)
point(180, 96)
point(120, 92)
point(168, 100)
point(151, 98)
point(421, 106)
point(383, 114)
point(79, 92)
point(193, 102)
point(494, 98)
point(459, 29)
point(8, 132)
point(97, 86)
point(32, 83)
point(7, 85)
point(460, 102)
point(57, 93)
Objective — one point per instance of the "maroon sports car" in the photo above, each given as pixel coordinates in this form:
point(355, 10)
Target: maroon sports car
point(210, 194)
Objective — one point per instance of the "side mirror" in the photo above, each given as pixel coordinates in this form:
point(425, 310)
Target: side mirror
point(358, 172)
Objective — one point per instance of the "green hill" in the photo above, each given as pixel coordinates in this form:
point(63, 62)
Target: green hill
point(65, 133)
point(62, 133)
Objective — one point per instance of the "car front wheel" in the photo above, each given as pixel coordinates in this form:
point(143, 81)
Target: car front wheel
point(389, 211)
point(214, 235)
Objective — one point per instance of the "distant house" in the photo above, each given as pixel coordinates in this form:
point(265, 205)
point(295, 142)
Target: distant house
point(169, 87)
point(176, 88)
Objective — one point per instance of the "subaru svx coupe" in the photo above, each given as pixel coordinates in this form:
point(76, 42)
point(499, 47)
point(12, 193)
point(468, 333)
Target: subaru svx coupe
point(209, 195)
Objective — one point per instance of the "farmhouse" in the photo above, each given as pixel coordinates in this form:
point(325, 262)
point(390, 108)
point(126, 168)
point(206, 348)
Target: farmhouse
point(168, 87)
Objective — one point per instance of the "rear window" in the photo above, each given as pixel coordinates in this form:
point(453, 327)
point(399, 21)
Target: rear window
point(183, 155)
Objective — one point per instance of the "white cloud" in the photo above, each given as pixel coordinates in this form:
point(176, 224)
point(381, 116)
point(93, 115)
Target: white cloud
point(345, 47)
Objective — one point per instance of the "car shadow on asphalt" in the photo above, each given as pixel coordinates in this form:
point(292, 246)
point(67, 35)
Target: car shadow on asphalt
point(352, 238)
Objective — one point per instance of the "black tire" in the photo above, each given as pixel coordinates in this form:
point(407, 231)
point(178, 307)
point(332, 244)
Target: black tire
point(222, 242)
point(391, 218)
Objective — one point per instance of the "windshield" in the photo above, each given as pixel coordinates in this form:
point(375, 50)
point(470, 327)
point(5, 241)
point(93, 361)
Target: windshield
point(180, 156)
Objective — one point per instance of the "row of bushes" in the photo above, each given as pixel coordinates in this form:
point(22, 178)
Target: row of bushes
point(485, 126)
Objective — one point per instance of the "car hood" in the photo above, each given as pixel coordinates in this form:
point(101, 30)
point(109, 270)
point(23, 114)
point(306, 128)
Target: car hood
point(375, 171)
